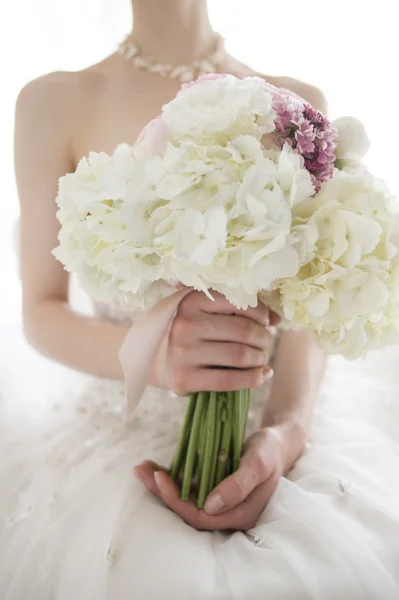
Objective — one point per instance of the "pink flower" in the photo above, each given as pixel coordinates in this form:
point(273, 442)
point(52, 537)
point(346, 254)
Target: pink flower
point(152, 140)
point(305, 136)
point(288, 107)
point(308, 131)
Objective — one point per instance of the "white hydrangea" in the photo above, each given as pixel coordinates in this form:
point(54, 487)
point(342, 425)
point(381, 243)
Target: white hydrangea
point(93, 236)
point(201, 236)
point(228, 214)
point(346, 295)
point(213, 216)
point(217, 110)
point(207, 199)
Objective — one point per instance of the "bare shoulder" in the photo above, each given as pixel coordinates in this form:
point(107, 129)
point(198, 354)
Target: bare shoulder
point(59, 94)
point(306, 91)
point(48, 96)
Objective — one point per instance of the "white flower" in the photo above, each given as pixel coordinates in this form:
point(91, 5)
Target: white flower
point(344, 236)
point(263, 243)
point(217, 110)
point(212, 217)
point(201, 200)
point(200, 236)
point(346, 295)
point(293, 176)
point(152, 140)
point(95, 240)
point(353, 143)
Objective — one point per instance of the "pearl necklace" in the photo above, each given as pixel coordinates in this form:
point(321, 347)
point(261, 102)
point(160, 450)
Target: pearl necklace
point(183, 73)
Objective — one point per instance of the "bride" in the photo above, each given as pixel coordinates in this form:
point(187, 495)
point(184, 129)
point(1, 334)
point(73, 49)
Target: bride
point(297, 520)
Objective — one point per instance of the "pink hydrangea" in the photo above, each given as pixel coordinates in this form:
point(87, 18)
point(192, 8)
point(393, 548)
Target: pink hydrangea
point(309, 132)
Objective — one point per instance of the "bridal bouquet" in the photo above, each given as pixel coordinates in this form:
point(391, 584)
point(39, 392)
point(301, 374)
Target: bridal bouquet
point(246, 190)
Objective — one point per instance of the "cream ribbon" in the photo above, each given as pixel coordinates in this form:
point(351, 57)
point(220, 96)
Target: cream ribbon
point(140, 347)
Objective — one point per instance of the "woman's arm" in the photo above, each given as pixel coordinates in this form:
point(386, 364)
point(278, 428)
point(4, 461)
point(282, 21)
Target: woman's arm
point(46, 113)
point(48, 110)
point(298, 372)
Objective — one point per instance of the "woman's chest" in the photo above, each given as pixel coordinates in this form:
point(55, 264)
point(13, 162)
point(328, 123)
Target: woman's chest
point(118, 114)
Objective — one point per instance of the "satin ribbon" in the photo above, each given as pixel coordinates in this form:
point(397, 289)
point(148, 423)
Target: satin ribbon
point(140, 347)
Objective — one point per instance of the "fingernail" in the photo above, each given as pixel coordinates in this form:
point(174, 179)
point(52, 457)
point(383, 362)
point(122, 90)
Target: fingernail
point(139, 476)
point(158, 480)
point(214, 504)
point(268, 373)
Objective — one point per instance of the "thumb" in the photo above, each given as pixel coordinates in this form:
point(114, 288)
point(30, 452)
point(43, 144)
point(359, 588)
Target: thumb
point(237, 487)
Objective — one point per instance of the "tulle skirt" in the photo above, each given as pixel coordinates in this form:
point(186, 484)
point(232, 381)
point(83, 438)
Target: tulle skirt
point(76, 524)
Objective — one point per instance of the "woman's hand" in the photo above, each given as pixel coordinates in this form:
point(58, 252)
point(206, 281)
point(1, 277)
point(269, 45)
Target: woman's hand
point(213, 346)
point(240, 499)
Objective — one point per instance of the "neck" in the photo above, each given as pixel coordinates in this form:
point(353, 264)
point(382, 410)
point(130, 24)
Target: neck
point(172, 31)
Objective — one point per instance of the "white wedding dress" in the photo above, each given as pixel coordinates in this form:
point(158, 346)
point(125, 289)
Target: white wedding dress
point(77, 525)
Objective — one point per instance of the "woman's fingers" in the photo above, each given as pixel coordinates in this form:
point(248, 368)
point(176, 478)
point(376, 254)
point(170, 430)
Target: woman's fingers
point(225, 354)
point(194, 354)
point(246, 514)
point(145, 473)
point(162, 485)
point(189, 381)
point(242, 517)
point(220, 328)
point(234, 328)
point(252, 472)
point(206, 336)
point(219, 305)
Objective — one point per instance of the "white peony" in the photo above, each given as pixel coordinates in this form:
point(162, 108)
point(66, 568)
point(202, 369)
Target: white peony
point(217, 110)
point(353, 143)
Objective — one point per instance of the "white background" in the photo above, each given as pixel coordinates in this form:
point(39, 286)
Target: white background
point(348, 49)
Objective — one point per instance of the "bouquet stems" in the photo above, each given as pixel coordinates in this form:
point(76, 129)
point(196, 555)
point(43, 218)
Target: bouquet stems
point(183, 439)
point(216, 445)
point(211, 441)
point(225, 444)
point(208, 450)
point(192, 445)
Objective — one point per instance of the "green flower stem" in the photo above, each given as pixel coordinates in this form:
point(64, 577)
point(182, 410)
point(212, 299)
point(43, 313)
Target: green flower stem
point(246, 411)
point(195, 475)
point(202, 441)
point(192, 445)
point(211, 441)
point(237, 428)
point(210, 434)
point(184, 437)
point(218, 430)
point(225, 445)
